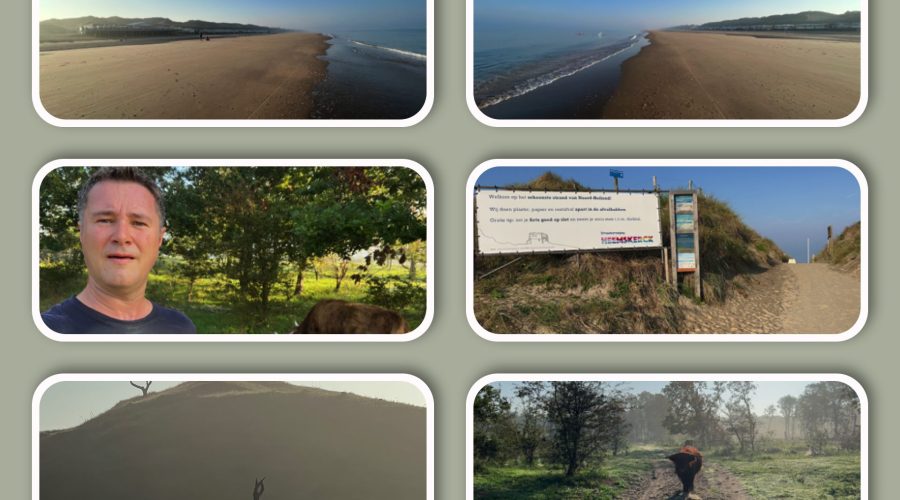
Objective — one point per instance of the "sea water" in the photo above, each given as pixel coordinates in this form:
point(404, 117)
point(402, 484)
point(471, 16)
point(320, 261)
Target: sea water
point(547, 74)
point(373, 74)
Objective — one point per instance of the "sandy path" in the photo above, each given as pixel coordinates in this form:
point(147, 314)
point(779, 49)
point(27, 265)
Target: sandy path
point(716, 75)
point(756, 306)
point(801, 298)
point(269, 76)
point(827, 300)
point(712, 483)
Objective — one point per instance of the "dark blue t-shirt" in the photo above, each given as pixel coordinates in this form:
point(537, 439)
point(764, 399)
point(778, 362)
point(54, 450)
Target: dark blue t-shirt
point(71, 316)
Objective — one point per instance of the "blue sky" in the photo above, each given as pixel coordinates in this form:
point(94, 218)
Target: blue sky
point(593, 15)
point(70, 403)
point(786, 204)
point(310, 15)
point(767, 393)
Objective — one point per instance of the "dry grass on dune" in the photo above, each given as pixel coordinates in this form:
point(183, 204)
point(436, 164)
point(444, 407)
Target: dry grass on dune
point(615, 292)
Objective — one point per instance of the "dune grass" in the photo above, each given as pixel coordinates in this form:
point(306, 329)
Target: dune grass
point(615, 292)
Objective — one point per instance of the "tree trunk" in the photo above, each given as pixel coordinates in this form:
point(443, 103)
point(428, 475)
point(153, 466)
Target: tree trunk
point(190, 296)
point(298, 285)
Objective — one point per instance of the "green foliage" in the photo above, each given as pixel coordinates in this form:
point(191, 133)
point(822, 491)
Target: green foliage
point(492, 437)
point(393, 292)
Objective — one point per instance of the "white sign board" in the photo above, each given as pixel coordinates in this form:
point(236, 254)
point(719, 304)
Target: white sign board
point(558, 221)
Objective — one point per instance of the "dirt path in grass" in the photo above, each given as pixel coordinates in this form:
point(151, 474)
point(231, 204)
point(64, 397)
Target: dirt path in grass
point(796, 298)
point(714, 482)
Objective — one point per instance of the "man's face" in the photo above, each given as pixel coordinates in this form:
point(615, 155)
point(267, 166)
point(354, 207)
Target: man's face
point(121, 233)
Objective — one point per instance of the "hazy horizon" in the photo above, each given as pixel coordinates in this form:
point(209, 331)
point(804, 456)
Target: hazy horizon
point(69, 404)
point(640, 14)
point(309, 15)
point(767, 392)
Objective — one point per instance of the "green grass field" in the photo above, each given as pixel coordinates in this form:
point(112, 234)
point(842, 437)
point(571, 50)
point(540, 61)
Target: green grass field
point(214, 307)
point(608, 481)
point(799, 477)
point(766, 476)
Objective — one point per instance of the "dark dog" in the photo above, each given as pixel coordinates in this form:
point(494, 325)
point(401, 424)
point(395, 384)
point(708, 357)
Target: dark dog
point(341, 317)
point(687, 461)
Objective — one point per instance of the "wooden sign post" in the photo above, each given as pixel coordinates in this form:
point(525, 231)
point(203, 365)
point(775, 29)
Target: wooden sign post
point(685, 236)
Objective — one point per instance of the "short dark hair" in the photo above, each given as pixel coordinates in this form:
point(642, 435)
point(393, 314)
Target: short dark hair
point(122, 174)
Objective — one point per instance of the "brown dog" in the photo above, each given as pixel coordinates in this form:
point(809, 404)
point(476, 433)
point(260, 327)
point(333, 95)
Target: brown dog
point(341, 317)
point(688, 462)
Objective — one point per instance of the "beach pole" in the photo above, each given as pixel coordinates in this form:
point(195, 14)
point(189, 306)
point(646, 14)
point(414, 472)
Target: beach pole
point(665, 258)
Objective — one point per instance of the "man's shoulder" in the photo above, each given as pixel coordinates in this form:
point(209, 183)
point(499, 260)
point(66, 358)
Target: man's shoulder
point(73, 317)
point(173, 320)
point(64, 316)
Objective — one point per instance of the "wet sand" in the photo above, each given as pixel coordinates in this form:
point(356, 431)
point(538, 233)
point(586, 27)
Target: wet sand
point(267, 76)
point(684, 75)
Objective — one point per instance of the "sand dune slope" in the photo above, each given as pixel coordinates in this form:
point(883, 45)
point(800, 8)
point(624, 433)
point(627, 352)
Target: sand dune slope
point(210, 440)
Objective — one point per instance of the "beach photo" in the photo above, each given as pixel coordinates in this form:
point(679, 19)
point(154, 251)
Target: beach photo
point(242, 437)
point(619, 62)
point(625, 250)
point(274, 62)
point(667, 437)
point(277, 250)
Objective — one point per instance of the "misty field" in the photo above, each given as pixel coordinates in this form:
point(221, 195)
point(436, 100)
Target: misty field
point(605, 440)
point(778, 475)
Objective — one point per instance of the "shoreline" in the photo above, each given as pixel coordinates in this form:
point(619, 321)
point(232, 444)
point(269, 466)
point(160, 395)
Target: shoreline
point(718, 75)
point(269, 76)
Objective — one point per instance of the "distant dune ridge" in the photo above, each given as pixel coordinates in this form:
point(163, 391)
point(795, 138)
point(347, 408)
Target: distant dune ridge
point(210, 440)
point(51, 28)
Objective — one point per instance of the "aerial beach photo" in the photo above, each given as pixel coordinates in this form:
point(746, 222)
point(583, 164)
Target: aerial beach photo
point(658, 60)
point(270, 60)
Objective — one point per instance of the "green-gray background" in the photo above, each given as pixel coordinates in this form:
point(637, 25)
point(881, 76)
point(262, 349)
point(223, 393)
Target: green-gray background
point(449, 143)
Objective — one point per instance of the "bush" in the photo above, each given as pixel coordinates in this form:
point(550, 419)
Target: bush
point(393, 292)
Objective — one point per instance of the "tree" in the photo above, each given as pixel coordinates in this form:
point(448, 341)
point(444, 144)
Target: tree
point(739, 416)
point(829, 412)
point(582, 417)
point(693, 410)
point(143, 388)
point(531, 433)
point(491, 413)
point(788, 406)
point(645, 415)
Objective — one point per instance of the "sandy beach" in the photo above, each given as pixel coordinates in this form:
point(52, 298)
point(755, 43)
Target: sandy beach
point(266, 76)
point(684, 75)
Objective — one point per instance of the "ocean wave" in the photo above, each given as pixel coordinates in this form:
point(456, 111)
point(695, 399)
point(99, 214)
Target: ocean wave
point(486, 96)
point(406, 53)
